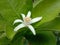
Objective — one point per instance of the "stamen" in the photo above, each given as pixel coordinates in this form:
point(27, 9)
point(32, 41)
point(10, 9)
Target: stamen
point(27, 19)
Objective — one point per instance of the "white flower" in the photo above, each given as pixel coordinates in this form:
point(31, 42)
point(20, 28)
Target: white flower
point(26, 22)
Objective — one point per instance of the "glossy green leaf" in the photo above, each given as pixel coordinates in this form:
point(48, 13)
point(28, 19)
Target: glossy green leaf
point(48, 9)
point(53, 25)
point(11, 10)
point(42, 38)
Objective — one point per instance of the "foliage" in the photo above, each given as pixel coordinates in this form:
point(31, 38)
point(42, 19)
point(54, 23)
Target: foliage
point(11, 10)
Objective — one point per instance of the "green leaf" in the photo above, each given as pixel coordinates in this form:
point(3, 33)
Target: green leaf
point(42, 38)
point(4, 40)
point(18, 39)
point(10, 10)
point(2, 26)
point(36, 2)
point(53, 25)
point(48, 9)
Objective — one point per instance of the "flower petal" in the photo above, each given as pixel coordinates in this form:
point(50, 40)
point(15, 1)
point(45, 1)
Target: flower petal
point(23, 16)
point(36, 19)
point(17, 20)
point(32, 29)
point(29, 14)
point(19, 27)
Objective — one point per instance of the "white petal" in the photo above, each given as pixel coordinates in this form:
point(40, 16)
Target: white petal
point(23, 16)
point(17, 20)
point(32, 29)
point(36, 19)
point(19, 27)
point(29, 14)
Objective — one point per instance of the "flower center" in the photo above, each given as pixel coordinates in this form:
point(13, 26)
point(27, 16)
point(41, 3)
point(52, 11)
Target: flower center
point(27, 19)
